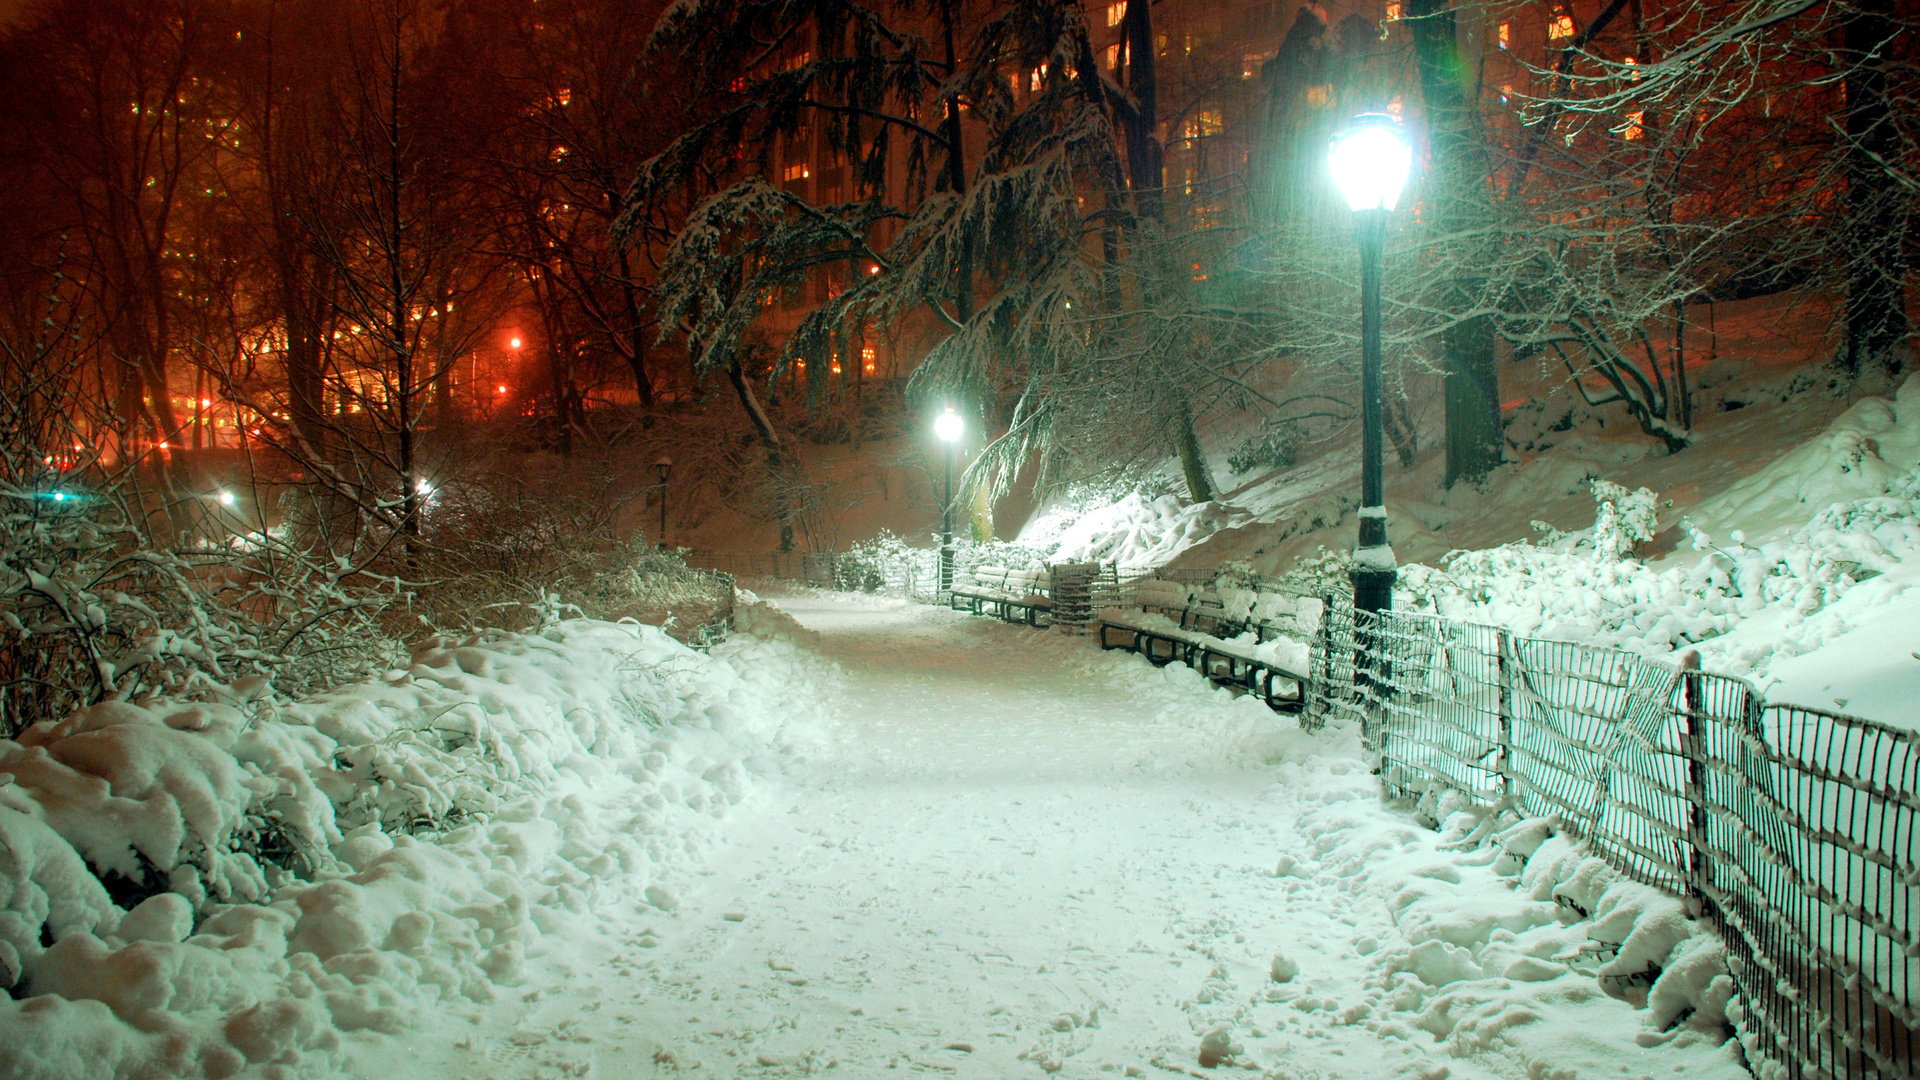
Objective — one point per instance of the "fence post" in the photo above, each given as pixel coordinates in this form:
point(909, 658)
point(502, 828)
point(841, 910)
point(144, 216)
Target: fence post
point(1693, 745)
point(1504, 645)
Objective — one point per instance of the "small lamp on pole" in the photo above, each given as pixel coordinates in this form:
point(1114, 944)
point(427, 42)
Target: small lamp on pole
point(949, 427)
point(1370, 162)
point(661, 468)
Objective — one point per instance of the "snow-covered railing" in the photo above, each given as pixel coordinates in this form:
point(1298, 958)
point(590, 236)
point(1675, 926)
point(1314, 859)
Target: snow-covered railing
point(1790, 829)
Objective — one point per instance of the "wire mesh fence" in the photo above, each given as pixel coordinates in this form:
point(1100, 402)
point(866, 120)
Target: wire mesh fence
point(1790, 829)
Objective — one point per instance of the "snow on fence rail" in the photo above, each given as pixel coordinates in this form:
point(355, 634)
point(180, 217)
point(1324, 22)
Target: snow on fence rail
point(1790, 829)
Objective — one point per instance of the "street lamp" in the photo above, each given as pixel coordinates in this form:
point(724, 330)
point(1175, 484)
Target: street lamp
point(661, 468)
point(948, 426)
point(1370, 162)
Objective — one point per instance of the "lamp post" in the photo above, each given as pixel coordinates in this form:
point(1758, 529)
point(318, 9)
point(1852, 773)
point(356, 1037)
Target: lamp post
point(948, 426)
point(661, 468)
point(1370, 162)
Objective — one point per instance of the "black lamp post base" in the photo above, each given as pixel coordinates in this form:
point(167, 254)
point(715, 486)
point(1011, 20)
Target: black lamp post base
point(1373, 587)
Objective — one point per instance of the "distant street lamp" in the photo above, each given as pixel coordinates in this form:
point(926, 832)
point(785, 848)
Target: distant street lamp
point(948, 426)
point(661, 468)
point(1370, 162)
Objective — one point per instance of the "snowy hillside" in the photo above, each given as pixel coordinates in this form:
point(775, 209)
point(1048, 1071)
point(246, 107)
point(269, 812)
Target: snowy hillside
point(1785, 545)
point(447, 823)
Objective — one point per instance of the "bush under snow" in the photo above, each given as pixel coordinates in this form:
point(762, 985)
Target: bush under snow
point(189, 889)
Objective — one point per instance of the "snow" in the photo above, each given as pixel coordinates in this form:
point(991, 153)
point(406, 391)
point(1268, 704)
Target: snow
point(1805, 577)
point(456, 817)
point(868, 836)
point(1133, 531)
point(1802, 572)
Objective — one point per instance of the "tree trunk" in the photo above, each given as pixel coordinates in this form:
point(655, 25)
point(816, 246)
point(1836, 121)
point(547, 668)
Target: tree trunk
point(1876, 288)
point(636, 328)
point(1472, 389)
point(1192, 463)
point(778, 461)
point(1145, 170)
point(1460, 177)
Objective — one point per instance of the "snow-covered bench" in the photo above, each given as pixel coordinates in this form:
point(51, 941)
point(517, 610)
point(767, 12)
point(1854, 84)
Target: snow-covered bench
point(1013, 595)
point(1236, 637)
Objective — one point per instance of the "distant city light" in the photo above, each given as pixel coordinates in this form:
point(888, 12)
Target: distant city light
point(206, 403)
point(423, 487)
point(501, 389)
point(226, 498)
point(515, 343)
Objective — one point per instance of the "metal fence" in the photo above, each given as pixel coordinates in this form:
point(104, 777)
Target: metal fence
point(1791, 830)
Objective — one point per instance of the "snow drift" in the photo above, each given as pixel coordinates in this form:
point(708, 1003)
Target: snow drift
point(191, 890)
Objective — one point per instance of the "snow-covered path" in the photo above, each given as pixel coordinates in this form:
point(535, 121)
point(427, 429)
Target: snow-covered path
point(1022, 857)
point(1004, 865)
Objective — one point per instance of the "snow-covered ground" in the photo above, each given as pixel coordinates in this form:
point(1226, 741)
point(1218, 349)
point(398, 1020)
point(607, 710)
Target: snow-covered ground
point(952, 845)
point(1020, 857)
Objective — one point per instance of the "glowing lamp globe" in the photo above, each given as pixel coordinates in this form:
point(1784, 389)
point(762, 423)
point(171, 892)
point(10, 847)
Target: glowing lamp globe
point(1370, 162)
point(948, 425)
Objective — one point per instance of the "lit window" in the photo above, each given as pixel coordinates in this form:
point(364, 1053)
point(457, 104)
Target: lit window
point(563, 96)
point(1202, 124)
point(1506, 91)
point(798, 172)
point(1113, 58)
point(1036, 77)
point(738, 85)
point(1386, 24)
point(1199, 274)
point(1250, 64)
point(1634, 130)
point(1506, 35)
point(868, 357)
point(1116, 13)
point(1561, 28)
point(798, 61)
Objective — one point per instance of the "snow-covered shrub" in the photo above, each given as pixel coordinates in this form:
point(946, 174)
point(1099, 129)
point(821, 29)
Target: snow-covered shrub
point(1008, 553)
point(94, 608)
point(1582, 587)
point(1624, 519)
point(1276, 446)
point(871, 565)
point(1324, 571)
point(517, 548)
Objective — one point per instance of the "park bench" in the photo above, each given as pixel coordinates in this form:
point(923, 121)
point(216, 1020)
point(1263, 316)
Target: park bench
point(1248, 638)
point(1012, 595)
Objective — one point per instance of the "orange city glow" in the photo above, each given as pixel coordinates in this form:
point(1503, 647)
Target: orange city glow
point(515, 343)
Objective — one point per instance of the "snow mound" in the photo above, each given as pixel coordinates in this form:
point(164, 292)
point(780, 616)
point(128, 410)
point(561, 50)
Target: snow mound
point(297, 871)
point(1867, 453)
point(1849, 561)
point(1512, 942)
